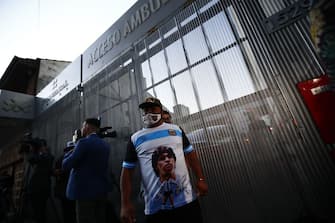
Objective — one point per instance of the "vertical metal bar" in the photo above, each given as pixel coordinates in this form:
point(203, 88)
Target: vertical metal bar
point(149, 63)
point(168, 67)
point(197, 98)
point(254, 79)
point(210, 49)
point(81, 91)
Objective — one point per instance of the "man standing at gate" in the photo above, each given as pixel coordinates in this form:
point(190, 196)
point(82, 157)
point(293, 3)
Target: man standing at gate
point(39, 183)
point(162, 142)
point(88, 181)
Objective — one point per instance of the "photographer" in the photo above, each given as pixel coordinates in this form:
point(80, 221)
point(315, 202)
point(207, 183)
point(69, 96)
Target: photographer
point(38, 177)
point(62, 177)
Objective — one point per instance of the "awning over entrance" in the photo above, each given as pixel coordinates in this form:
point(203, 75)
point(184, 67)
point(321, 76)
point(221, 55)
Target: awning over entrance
point(16, 105)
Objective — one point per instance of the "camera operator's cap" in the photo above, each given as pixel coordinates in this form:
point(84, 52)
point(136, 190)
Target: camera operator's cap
point(93, 121)
point(150, 102)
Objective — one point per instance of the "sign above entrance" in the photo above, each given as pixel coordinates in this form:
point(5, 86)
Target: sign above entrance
point(138, 20)
point(60, 85)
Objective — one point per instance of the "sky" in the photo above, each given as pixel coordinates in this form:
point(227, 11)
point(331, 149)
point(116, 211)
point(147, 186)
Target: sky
point(54, 29)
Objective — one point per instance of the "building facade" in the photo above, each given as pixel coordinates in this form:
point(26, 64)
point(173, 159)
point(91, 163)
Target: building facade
point(229, 73)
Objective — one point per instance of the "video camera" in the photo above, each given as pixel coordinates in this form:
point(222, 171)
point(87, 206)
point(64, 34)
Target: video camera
point(102, 133)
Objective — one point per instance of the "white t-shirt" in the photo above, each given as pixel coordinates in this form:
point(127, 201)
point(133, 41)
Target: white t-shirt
point(161, 194)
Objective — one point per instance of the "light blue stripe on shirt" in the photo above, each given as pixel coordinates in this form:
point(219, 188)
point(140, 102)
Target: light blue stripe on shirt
point(128, 165)
point(188, 149)
point(156, 135)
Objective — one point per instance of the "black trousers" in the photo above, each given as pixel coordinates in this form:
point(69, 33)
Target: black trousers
point(187, 213)
point(91, 211)
point(69, 210)
point(39, 204)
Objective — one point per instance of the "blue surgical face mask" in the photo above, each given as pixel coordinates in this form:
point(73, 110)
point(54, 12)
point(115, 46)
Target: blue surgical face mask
point(150, 119)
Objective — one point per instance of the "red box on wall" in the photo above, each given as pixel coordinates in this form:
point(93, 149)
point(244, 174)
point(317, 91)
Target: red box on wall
point(320, 100)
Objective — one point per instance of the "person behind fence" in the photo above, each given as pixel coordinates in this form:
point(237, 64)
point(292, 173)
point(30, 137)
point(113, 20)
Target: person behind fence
point(88, 181)
point(160, 149)
point(62, 177)
point(166, 116)
point(39, 183)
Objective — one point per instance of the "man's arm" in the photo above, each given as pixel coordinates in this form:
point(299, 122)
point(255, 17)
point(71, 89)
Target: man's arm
point(72, 157)
point(127, 209)
point(194, 163)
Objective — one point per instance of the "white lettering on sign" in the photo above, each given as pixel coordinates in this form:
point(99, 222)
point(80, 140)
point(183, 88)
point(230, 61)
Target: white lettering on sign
point(132, 23)
point(59, 89)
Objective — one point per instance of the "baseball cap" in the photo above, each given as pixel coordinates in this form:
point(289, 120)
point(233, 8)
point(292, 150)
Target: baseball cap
point(150, 102)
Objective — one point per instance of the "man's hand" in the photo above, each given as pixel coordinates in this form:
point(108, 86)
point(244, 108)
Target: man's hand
point(128, 213)
point(202, 187)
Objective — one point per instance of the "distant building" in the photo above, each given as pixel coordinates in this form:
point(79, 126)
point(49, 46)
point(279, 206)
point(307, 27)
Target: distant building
point(181, 110)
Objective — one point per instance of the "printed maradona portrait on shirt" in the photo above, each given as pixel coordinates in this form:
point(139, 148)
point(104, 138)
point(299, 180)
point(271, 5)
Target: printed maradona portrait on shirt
point(170, 183)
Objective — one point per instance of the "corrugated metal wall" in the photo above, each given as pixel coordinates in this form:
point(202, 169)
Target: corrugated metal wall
point(288, 173)
point(57, 125)
point(232, 87)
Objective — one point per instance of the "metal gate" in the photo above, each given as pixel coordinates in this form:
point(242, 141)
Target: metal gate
point(231, 85)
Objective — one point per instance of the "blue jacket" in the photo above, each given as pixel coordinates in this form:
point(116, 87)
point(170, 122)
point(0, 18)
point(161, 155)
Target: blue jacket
point(89, 169)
